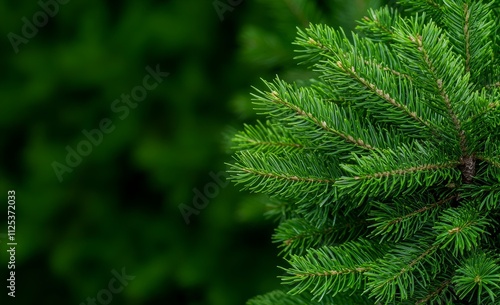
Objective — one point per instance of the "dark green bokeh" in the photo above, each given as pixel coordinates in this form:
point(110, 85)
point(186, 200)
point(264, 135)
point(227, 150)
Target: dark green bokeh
point(120, 206)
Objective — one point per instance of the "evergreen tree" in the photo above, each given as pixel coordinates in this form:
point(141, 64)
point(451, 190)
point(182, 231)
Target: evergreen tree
point(385, 168)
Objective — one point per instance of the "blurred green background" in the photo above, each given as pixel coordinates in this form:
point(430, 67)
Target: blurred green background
point(119, 208)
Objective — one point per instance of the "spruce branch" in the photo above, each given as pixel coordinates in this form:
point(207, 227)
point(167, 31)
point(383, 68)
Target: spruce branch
point(271, 137)
point(432, 8)
point(478, 277)
point(350, 67)
point(473, 23)
point(387, 164)
point(398, 272)
point(296, 235)
point(460, 229)
point(331, 270)
point(387, 173)
point(425, 49)
point(437, 294)
point(379, 24)
point(287, 176)
point(304, 110)
point(404, 218)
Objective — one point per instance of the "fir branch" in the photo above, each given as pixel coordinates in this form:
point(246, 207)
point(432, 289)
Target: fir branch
point(272, 137)
point(347, 68)
point(446, 100)
point(418, 40)
point(484, 123)
point(321, 41)
point(384, 95)
point(425, 49)
point(409, 170)
point(486, 196)
point(300, 233)
point(383, 67)
point(473, 23)
point(303, 109)
point(436, 292)
point(392, 172)
point(393, 274)
point(401, 130)
point(331, 270)
point(404, 218)
point(343, 271)
point(329, 51)
point(460, 229)
point(489, 107)
point(321, 124)
point(425, 40)
point(378, 25)
point(421, 210)
point(485, 193)
point(297, 235)
point(287, 176)
point(432, 8)
point(490, 153)
point(279, 210)
point(478, 277)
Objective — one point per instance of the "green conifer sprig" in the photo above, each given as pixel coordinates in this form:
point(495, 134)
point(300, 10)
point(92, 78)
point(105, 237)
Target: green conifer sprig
point(297, 234)
point(405, 217)
point(388, 162)
point(482, 268)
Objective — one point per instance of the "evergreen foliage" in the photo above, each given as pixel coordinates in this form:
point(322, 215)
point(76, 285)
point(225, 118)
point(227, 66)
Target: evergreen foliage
point(386, 165)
